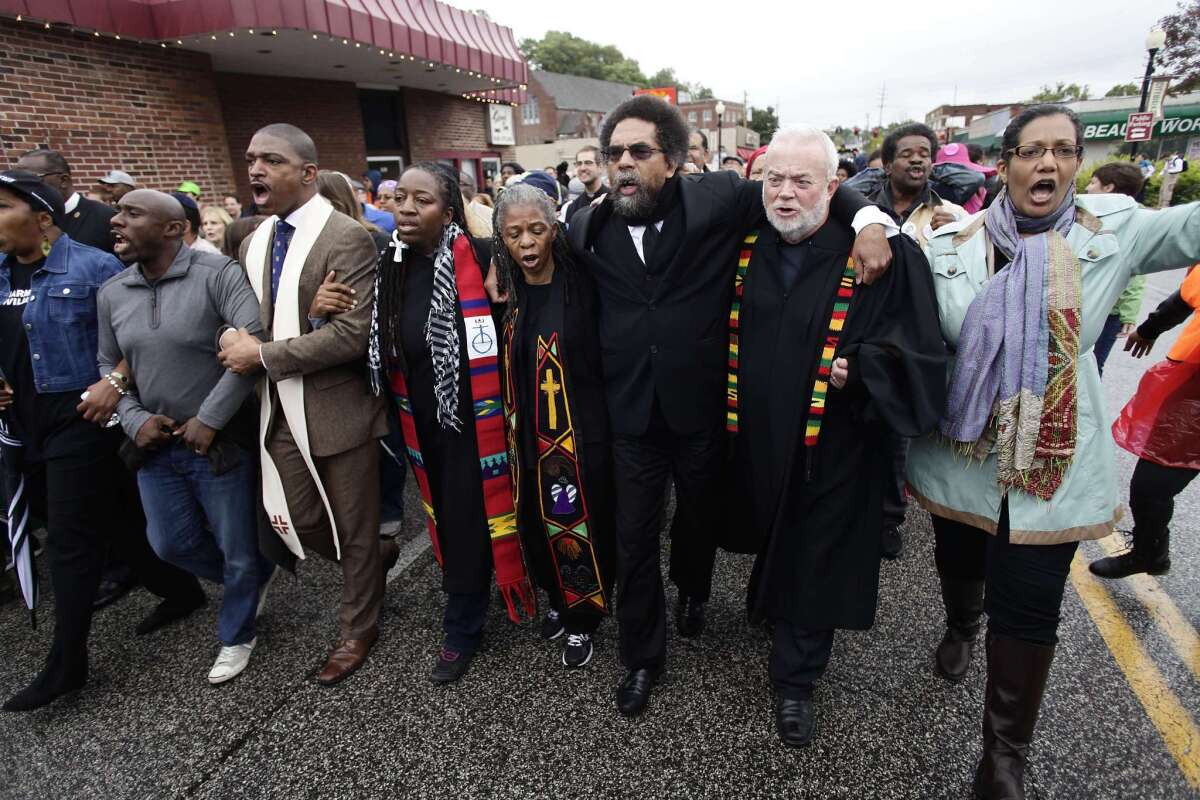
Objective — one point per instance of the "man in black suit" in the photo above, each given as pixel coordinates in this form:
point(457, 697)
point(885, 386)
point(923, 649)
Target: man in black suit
point(663, 250)
point(85, 220)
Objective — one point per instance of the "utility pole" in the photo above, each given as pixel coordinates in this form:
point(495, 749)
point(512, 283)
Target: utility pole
point(882, 96)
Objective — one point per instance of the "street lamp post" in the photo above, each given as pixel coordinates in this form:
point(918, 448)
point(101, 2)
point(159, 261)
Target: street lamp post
point(720, 109)
point(1155, 39)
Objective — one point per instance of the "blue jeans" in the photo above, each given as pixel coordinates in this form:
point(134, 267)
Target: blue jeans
point(207, 525)
point(1108, 337)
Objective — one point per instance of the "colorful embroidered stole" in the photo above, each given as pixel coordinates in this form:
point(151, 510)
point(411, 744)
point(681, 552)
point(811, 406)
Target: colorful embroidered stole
point(482, 352)
point(562, 505)
point(837, 320)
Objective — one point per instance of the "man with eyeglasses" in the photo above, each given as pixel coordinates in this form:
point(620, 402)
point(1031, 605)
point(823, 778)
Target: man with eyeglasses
point(85, 221)
point(587, 169)
point(663, 251)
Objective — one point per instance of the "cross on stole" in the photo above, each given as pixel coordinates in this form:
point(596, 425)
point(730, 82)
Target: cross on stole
point(551, 387)
point(280, 525)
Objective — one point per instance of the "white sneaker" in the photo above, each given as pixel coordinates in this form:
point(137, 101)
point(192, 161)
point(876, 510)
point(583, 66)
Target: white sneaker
point(231, 661)
point(262, 593)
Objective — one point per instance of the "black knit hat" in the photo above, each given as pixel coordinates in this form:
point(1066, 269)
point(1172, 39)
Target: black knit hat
point(31, 188)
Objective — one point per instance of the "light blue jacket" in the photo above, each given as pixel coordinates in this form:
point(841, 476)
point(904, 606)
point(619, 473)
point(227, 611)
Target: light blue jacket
point(1113, 239)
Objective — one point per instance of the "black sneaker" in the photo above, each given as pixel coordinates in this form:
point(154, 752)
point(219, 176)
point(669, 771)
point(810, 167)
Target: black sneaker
point(578, 651)
point(552, 626)
point(892, 545)
point(451, 665)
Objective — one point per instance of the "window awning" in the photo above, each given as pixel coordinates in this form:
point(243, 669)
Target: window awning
point(424, 29)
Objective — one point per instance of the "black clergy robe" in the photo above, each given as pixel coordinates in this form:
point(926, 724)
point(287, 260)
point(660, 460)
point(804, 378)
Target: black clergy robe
point(819, 509)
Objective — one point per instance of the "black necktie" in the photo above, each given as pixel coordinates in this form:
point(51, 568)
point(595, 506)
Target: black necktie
point(649, 240)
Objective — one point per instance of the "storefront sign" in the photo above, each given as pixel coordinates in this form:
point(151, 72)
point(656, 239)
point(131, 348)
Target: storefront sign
point(1158, 93)
point(500, 124)
point(1139, 126)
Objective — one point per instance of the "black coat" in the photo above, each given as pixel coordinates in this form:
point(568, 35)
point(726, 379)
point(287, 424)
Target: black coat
point(669, 337)
point(89, 224)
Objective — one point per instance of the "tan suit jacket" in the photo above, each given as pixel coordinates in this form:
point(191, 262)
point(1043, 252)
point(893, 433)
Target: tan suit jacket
point(341, 411)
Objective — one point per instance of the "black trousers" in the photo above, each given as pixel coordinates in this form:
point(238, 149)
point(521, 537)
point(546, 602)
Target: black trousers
point(643, 465)
point(1152, 493)
point(1023, 583)
point(798, 658)
point(894, 502)
point(89, 502)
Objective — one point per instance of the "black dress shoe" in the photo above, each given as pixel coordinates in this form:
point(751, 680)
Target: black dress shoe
point(892, 545)
point(689, 617)
point(634, 692)
point(165, 613)
point(794, 720)
point(111, 590)
point(451, 665)
point(36, 695)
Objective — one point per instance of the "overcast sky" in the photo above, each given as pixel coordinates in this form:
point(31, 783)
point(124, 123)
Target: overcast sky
point(825, 62)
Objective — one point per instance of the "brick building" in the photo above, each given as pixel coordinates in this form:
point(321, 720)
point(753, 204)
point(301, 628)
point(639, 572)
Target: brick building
point(566, 107)
point(173, 90)
point(947, 120)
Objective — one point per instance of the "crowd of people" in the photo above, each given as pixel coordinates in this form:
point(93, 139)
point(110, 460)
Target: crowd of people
point(197, 391)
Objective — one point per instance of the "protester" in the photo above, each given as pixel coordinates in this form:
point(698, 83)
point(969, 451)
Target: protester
point(1172, 169)
point(1161, 426)
point(310, 263)
point(562, 468)
point(507, 170)
point(232, 206)
point(992, 183)
point(115, 185)
point(435, 349)
point(336, 187)
point(733, 164)
point(385, 196)
point(1011, 498)
point(193, 234)
point(955, 153)
point(1126, 179)
point(63, 467)
point(84, 220)
point(875, 160)
point(697, 149)
point(662, 250)
point(191, 189)
point(846, 170)
point(755, 164)
point(588, 172)
point(380, 219)
point(213, 221)
point(479, 215)
point(188, 420)
point(814, 455)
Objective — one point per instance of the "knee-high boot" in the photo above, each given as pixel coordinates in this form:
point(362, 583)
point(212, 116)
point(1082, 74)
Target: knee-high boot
point(963, 599)
point(1017, 674)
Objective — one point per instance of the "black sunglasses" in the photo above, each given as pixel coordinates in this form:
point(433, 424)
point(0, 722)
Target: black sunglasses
point(640, 152)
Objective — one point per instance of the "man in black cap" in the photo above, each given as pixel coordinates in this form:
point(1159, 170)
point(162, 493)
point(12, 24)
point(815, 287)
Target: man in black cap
point(85, 221)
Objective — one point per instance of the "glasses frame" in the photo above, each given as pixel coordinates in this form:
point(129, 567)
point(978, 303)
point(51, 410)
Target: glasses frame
point(1076, 151)
point(607, 153)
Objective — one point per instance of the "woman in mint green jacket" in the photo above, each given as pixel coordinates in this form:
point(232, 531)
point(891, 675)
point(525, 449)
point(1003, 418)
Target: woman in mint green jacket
point(1022, 468)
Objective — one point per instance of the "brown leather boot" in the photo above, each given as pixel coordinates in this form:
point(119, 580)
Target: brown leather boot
point(1017, 674)
point(346, 657)
point(963, 599)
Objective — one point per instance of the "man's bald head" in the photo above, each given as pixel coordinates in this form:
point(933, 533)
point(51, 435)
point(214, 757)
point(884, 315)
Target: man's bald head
point(160, 205)
point(301, 144)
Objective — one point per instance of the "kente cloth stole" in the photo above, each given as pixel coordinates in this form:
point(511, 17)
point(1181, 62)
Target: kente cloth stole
point(837, 321)
point(562, 505)
point(482, 352)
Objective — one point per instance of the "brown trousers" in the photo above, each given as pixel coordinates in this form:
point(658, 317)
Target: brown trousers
point(351, 481)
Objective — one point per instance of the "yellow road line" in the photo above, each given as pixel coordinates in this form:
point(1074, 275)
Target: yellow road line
point(1166, 713)
point(1183, 637)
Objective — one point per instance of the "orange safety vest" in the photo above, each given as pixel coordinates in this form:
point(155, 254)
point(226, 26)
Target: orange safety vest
point(1187, 347)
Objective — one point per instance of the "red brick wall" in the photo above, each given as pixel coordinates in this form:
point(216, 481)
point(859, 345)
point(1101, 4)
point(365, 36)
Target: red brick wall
point(439, 123)
point(104, 105)
point(328, 111)
point(546, 128)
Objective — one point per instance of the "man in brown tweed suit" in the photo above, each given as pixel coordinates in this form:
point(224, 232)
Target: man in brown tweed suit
point(320, 431)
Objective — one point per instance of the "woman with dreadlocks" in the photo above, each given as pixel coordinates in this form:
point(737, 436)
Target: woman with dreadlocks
point(435, 348)
point(557, 418)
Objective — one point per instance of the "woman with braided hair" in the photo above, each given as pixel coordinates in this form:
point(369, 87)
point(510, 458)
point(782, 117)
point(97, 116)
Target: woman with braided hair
point(558, 429)
point(435, 349)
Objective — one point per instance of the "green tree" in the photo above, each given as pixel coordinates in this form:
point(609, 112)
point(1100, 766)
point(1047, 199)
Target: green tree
point(664, 77)
point(1124, 90)
point(559, 51)
point(1061, 93)
point(764, 121)
point(1181, 54)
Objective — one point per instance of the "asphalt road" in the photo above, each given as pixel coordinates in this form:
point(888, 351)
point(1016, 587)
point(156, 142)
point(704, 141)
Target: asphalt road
point(1119, 720)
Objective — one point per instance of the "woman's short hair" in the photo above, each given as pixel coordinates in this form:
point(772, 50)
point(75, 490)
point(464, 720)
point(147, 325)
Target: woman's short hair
point(221, 215)
point(670, 129)
point(1012, 134)
point(526, 196)
point(1124, 177)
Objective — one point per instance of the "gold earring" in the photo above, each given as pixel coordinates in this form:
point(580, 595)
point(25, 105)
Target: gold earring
point(45, 245)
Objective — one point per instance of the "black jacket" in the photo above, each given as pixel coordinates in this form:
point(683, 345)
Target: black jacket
point(668, 337)
point(89, 224)
point(582, 202)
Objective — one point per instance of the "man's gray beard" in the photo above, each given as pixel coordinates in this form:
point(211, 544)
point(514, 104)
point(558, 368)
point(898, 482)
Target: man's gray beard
point(638, 204)
point(806, 222)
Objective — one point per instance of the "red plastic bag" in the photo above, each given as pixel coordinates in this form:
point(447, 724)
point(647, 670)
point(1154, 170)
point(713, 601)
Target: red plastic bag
point(1161, 422)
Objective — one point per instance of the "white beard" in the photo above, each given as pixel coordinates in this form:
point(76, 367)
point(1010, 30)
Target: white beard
point(801, 226)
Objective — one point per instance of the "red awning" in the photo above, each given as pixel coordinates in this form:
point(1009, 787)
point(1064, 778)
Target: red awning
point(426, 29)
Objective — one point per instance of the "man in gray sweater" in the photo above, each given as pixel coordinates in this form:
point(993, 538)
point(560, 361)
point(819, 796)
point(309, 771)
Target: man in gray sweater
point(184, 412)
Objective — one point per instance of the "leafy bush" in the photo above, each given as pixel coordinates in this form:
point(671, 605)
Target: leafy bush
point(1187, 188)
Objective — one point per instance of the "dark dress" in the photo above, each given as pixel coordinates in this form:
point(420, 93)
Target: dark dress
point(451, 459)
point(820, 507)
point(566, 306)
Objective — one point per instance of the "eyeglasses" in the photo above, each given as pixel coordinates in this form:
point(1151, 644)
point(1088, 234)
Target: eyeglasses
point(640, 152)
point(48, 174)
point(1061, 151)
point(589, 163)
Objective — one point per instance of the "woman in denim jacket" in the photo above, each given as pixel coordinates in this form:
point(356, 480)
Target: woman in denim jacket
point(63, 467)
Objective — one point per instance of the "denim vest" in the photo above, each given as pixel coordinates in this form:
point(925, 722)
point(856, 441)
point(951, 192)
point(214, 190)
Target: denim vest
point(60, 318)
